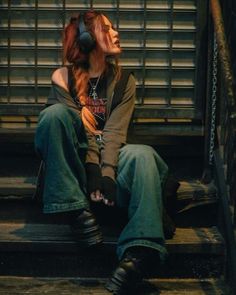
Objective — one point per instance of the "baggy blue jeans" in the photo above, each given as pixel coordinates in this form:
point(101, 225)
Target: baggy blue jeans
point(61, 142)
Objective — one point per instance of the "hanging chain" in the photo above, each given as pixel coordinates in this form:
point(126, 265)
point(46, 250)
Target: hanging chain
point(213, 101)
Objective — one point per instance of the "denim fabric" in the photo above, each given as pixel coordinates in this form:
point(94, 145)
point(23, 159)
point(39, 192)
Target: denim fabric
point(61, 141)
point(141, 174)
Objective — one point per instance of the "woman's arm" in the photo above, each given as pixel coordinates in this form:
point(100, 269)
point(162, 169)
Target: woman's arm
point(115, 130)
point(60, 77)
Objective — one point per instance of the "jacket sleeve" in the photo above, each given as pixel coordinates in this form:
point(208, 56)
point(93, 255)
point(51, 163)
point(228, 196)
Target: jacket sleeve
point(115, 130)
point(52, 97)
point(93, 154)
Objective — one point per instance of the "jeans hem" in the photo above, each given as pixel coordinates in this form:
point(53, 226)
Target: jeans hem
point(162, 250)
point(54, 208)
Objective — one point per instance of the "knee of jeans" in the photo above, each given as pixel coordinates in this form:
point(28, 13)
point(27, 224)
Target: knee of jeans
point(54, 113)
point(140, 152)
point(148, 155)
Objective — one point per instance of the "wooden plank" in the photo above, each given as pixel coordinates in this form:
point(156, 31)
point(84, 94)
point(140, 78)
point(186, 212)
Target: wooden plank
point(146, 111)
point(17, 186)
point(38, 237)
point(21, 109)
point(196, 189)
point(194, 193)
point(84, 286)
point(191, 189)
point(155, 111)
point(155, 130)
point(18, 119)
point(190, 194)
point(148, 133)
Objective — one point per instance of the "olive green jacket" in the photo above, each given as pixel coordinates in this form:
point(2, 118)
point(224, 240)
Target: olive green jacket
point(116, 126)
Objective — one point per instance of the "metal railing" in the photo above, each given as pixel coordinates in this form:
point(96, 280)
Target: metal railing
point(226, 116)
point(225, 152)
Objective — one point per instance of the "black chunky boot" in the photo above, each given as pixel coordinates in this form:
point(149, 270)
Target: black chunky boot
point(125, 277)
point(131, 270)
point(84, 226)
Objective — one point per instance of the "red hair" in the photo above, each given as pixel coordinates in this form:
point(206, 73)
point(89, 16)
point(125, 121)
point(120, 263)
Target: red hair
point(80, 61)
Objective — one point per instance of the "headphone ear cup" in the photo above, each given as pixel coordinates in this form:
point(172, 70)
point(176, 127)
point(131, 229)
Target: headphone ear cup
point(86, 42)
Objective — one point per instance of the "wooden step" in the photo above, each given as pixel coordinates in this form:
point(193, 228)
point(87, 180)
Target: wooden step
point(145, 130)
point(189, 189)
point(10, 285)
point(49, 250)
point(194, 198)
point(17, 186)
point(40, 237)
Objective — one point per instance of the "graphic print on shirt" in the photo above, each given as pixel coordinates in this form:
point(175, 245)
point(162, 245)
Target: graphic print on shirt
point(95, 103)
point(97, 107)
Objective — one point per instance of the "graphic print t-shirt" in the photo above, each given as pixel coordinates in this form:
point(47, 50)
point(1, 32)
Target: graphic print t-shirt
point(98, 105)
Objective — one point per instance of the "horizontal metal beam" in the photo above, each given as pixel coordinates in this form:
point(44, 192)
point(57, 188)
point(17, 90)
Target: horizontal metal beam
point(123, 29)
point(55, 8)
point(153, 111)
point(139, 133)
point(144, 112)
point(21, 109)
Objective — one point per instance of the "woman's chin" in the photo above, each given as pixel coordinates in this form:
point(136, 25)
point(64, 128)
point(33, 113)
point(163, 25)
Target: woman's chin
point(115, 51)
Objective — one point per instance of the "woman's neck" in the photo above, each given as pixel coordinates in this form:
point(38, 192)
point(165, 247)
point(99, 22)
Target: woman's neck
point(97, 65)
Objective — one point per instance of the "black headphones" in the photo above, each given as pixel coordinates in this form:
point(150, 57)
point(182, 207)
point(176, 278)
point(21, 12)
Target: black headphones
point(85, 40)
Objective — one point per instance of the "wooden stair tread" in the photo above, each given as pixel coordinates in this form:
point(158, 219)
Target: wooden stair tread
point(26, 185)
point(197, 188)
point(17, 186)
point(148, 127)
point(37, 237)
point(73, 286)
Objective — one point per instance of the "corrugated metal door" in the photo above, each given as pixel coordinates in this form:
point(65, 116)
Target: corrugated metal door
point(163, 41)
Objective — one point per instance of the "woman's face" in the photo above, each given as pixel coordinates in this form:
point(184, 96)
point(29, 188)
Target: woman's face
point(108, 38)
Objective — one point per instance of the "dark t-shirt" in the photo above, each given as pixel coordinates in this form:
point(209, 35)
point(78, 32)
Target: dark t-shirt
point(97, 105)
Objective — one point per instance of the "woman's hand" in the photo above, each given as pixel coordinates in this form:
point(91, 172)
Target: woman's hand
point(108, 191)
point(108, 202)
point(100, 188)
point(96, 196)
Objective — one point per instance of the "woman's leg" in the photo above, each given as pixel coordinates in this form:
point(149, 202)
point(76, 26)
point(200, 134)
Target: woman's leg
point(61, 142)
point(141, 173)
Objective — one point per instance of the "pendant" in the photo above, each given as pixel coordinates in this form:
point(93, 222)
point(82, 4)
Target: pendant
point(94, 94)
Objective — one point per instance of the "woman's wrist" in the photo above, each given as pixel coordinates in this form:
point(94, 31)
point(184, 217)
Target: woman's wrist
point(108, 171)
point(94, 177)
point(108, 189)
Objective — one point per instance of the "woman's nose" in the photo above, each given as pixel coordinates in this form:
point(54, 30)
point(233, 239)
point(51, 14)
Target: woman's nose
point(115, 33)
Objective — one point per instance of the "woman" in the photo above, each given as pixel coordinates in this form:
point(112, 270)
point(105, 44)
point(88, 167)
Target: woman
point(81, 138)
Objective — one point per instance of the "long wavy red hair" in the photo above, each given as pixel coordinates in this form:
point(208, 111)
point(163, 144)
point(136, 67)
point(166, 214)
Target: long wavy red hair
point(80, 62)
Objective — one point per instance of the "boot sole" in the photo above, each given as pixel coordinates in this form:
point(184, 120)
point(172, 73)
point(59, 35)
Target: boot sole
point(89, 237)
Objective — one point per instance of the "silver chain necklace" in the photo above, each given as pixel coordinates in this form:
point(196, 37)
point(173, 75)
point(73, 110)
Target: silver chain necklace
point(93, 92)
